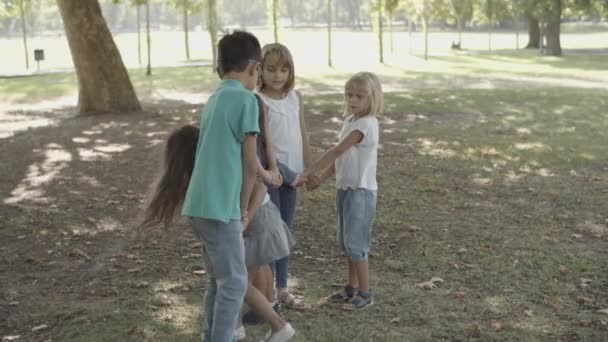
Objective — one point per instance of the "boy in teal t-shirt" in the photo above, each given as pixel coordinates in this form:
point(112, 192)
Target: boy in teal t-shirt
point(222, 180)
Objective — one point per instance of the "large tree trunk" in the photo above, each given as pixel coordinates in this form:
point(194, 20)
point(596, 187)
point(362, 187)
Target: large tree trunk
point(533, 33)
point(552, 32)
point(103, 81)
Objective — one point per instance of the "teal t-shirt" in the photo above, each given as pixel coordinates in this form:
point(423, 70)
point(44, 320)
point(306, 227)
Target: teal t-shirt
point(214, 191)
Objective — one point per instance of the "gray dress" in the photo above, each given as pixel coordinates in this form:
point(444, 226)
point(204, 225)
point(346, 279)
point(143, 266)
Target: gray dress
point(267, 238)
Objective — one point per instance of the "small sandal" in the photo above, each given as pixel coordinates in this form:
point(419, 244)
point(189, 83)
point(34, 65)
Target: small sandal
point(291, 302)
point(343, 296)
point(360, 301)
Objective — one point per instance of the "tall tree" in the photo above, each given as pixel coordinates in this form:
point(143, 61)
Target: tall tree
point(103, 81)
point(378, 10)
point(212, 27)
point(148, 39)
point(187, 7)
point(273, 16)
point(24, 30)
point(461, 9)
point(391, 6)
point(329, 21)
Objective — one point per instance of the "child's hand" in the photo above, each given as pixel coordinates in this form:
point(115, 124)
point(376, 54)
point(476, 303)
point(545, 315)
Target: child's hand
point(313, 182)
point(301, 180)
point(244, 218)
point(269, 178)
point(276, 177)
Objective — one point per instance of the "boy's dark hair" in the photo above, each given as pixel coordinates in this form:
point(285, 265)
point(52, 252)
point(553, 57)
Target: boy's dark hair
point(235, 51)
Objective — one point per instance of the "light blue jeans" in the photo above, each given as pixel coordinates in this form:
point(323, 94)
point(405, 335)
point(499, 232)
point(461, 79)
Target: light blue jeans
point(224, 254)
point(355, 216)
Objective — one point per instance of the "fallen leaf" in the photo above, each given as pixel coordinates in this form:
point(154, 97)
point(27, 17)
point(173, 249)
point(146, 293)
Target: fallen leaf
point(584, 300)
point(436, 280)
point(426, 285)
point(142, 284)
point(395, 320)
point(528, 313)
point(11, 338)
point(40, 327)
point(78, 252)
point(497, 326)
point(414, 229)
point(163, 300)
point(475, 330)
point(323, 301)
point(584, 323)
point(460, 294)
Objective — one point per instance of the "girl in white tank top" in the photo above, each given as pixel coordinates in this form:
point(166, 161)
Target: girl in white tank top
point(289, 139)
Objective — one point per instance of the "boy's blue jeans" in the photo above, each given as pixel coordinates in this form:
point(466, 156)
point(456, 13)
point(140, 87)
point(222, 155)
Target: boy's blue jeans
point(224, 253)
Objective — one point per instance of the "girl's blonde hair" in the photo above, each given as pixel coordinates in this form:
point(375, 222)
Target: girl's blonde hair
point(285, 58)
point(369, 83)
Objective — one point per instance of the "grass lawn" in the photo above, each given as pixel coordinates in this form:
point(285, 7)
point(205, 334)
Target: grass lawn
point(492, 175)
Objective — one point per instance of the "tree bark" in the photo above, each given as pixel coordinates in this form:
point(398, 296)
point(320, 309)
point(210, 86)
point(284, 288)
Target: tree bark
point(138, 34)
point(329, 20)
point(186, 39)
point(533, 33)
point(390, 28)
point(380, 32)
point(275, 18)
point(24, 31)
point(103, 82)
point(212, 27)
point(554, 47)
point(148, 40)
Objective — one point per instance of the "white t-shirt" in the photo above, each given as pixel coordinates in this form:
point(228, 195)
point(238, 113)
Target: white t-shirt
point(356, 168)
point(284, 126)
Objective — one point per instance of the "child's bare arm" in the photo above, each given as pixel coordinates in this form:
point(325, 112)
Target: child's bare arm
point(250, 164)
point(304, 132)
point(255, 201)
point(269, 149)
point(333, 153)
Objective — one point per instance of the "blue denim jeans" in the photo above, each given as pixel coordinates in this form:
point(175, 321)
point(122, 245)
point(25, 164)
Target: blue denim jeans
point(355, 216)
point(224, 254)
point(284, 198)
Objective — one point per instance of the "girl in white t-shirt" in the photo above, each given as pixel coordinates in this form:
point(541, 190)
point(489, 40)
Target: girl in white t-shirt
point(353, 160)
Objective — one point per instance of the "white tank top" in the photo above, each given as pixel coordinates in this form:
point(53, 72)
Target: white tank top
point(284, 126)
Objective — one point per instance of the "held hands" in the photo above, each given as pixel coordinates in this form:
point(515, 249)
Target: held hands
point(272, 178)
point(309, 181)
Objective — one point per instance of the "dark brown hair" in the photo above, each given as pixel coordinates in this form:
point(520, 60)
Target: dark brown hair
point(169, 191)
